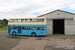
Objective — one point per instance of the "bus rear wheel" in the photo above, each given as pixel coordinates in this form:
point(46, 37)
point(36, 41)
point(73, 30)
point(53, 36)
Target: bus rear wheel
point(14, 33)
point(33, 34)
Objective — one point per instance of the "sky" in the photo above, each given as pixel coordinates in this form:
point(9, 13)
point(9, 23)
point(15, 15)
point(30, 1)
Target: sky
point(33, 8)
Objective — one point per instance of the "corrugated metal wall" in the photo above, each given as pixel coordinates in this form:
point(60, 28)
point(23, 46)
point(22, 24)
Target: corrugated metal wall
point(49, 26)
point(69, 27)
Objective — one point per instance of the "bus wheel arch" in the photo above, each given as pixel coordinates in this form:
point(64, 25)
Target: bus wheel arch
point(33, 34)
point(13, 33)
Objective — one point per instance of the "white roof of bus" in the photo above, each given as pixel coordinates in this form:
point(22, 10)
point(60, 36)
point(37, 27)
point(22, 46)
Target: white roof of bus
point(27, 18)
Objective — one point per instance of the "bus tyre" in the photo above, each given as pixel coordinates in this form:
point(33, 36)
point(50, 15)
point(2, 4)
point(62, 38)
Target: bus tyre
point(14, 33)
point(33, 34)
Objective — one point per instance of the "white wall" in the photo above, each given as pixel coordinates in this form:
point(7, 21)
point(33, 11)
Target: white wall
point(69, 27)
point(69, 21)
point(49, 27)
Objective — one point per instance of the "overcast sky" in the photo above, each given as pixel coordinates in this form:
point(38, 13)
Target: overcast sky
point(33, 8)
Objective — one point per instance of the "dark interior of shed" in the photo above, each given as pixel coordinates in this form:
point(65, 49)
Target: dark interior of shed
point(58, 26)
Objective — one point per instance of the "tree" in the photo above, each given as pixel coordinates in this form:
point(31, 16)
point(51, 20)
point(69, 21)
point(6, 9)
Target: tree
point(0, 20)
point(6, 21)
point(1, 26)
point(3, 23)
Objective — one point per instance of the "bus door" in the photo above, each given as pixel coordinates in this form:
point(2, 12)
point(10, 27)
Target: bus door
point(19, 29)
point(9, 29)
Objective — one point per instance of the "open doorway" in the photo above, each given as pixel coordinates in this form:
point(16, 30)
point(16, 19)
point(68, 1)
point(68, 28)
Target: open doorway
point(58, 26)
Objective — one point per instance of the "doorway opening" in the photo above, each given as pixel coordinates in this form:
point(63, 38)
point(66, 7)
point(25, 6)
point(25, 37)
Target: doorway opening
point(58, 26)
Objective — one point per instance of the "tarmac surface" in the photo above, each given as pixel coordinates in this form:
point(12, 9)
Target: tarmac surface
point(54, 42)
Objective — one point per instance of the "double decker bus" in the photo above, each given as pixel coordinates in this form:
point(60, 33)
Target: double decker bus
point(27, 26)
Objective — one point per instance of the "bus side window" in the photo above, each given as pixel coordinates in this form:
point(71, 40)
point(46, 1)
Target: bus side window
point(33, 20)
point(15, 20)
point(33, 28)
point(39, 20)
point(11, 20)
point(11, 27)
point(24, 28)
point(28, 28)
point(14, 28)
point(30, 20)
point(43, 28)
point(43, 20)
point(38, 28)
point(23, 20)
point(19, 20)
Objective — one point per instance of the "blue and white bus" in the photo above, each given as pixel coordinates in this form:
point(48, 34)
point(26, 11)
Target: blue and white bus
point(27, 26)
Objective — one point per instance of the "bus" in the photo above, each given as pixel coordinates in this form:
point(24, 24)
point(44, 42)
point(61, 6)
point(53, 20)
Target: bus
point(27, 26)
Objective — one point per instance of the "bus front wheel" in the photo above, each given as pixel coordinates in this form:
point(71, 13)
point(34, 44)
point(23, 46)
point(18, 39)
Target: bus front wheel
point(33, 34)
point(14, 33)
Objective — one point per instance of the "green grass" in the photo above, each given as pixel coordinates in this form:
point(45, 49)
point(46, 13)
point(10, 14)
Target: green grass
point(3, 29)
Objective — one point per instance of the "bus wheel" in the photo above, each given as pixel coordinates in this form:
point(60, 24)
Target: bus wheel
point(33, 34)
point(14, 33)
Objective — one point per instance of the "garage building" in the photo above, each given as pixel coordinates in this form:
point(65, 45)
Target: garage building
point(60, 22)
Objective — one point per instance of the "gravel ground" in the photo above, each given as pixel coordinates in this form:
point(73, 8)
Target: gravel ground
point(54, 42)
point(44, 44)
point(8, 44)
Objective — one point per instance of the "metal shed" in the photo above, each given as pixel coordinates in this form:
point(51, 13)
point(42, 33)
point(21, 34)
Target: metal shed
point(60, 22)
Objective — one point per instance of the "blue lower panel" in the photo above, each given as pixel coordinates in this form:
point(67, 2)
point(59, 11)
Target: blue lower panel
point(28, 32)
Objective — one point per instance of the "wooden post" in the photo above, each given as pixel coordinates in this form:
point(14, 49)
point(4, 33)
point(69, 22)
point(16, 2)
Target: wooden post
point(52, 27)
point(64, 26)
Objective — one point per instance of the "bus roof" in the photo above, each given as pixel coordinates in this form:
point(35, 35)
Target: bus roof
point(27, 18)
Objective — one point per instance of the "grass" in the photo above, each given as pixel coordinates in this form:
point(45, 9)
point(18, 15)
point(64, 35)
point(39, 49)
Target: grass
point(3, 29)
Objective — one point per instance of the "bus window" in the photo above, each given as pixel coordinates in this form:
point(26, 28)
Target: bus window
point(42, 28)
point(11, 20)
point(14, 28)
point(24, 20)
point(28, 20)
point(24, 28)
point(39, 20)
point(33, 28)
point(38, 28)
point(19, 20)
point(11, 27)
point(15, 20)
point(33, 20)
point(42, 20)
point(28, 28)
